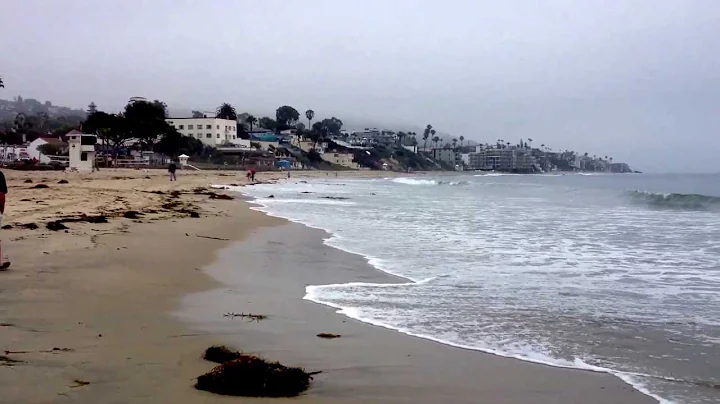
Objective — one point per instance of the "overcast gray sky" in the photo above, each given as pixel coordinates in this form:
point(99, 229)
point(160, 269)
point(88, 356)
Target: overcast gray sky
point(634, 79)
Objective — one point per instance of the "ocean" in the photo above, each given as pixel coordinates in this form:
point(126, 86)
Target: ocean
point(615, 273)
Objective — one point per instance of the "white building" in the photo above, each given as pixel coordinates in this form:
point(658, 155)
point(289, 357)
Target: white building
point(343, 159)
point(82, 151)
point(34, 153)
point(210, 130)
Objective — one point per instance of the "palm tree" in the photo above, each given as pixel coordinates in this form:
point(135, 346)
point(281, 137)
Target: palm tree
point(435, 139)
point(462, 139)
point(426, 136)
point(454, 143)
point(310, 114)
point(226, 111)
point(530, 141)
point(403, 137)
point(250, 120)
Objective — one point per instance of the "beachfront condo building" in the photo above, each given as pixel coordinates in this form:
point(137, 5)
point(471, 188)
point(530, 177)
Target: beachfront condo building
point(208, 129)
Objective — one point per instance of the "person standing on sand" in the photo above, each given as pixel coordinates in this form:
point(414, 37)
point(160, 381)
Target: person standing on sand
point(171, 169)
point(3, 191)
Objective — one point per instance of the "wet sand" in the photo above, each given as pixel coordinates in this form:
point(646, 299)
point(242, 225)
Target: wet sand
point(267, 274)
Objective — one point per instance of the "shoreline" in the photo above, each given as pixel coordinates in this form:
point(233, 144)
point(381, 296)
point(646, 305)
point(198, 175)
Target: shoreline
point(95, 304)
point(254, 337)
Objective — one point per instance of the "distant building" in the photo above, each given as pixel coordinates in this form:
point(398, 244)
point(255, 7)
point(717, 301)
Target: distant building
point(446, 155)
point(342, 159)
point(208, 129)
point(506, 159)
point(371, 136)
point(266, 140)
point(137, 99)
point(10, 153)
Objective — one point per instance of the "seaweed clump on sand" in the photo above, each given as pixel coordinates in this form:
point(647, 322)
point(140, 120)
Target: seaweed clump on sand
point(220, 354)
point(328, 335)
point(250, 376)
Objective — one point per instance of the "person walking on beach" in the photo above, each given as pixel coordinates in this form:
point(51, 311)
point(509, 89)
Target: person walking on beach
point(171, 169)
point(3, 190)
point(252, 175)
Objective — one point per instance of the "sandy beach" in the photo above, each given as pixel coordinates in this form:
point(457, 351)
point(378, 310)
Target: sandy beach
point(121, 311)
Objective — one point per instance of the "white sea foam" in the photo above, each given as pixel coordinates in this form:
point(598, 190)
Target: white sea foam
point(413, 181)
point(305, 201)
point(495, 175)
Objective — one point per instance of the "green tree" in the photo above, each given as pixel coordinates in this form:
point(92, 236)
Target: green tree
point(286, 116)
point(413, 139)
point(110, 128)
point(174, 144)
point(426, 136)
point(19, 121)
point(331, 126)
point(49, 149)
point(454, 142)
point(226, 111)
point(92, 108)
point(310, 114)
point(462, 139)
point(268, 123)
point(435, 140)
point(318, 133)
point(145, 121)
point(251, 120)
point(197, 114)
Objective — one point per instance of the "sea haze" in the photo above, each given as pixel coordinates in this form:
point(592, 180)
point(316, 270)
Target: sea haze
point(616, 273)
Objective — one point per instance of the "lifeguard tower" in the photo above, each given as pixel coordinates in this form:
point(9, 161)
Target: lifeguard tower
point(81, 147)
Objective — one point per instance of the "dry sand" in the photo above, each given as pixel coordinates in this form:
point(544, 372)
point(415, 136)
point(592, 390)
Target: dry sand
point(91, 304)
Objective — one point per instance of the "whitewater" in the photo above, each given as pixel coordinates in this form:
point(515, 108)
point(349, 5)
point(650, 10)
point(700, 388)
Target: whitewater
point(615, 273)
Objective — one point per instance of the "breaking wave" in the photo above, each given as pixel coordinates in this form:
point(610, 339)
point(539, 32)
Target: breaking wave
point(413, 181)
point(675, 201)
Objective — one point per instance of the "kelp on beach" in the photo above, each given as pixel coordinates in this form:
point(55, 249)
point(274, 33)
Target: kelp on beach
point(251, 376)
